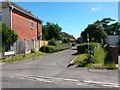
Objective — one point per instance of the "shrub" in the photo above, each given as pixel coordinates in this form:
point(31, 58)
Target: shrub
point(47, 49)
point(52, 42)
point(82, 48)
point(65, 40)
point(51, 49)
point(33, 50)
point(73, 44)
point(110, 66)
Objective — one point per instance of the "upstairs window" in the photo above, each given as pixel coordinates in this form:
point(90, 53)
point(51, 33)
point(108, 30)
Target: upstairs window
point(31, 24)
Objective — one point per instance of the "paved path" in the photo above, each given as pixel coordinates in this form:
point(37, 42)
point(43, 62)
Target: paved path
point(53, 68)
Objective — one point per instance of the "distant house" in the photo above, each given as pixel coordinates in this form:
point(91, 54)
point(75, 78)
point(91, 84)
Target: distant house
point(27, 26)
point(113, 39)
point(79, 40)
point(71, 37)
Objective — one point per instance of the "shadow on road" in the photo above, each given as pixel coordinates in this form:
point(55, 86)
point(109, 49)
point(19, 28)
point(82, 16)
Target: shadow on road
point(76, 53)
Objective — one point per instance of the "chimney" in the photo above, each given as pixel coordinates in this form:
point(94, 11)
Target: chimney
point(30, 12)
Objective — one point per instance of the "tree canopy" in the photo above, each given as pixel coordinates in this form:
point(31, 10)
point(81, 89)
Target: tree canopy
point(51, 30)
point(8, 36)
point(100, 29)
point(96, 33)
point(111, 29)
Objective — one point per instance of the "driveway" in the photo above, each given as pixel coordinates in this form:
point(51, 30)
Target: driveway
point(53, 68)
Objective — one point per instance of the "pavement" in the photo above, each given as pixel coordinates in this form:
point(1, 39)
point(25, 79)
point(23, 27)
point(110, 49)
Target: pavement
point(51, 71)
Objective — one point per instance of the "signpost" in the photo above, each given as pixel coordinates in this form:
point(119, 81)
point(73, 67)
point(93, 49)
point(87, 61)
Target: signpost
point(9, 53)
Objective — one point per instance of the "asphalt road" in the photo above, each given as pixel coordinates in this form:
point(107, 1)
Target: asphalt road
point(51, 71)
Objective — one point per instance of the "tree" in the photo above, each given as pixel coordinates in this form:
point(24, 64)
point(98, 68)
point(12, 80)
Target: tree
point(100, 29)
point(51, 30)
point(115, 28)
point(8, 36)
point(96, 33)
point(105, 23)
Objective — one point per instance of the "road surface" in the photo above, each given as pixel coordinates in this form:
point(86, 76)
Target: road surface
point(51, 71)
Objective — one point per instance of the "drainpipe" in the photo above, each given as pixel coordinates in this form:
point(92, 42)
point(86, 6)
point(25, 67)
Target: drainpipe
point(10, 25)
point(38, 37)
point(11, 8)
point(37, 31)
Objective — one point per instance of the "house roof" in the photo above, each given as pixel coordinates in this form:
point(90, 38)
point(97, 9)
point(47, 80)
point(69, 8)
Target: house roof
point(18, 8)
point(71, 36)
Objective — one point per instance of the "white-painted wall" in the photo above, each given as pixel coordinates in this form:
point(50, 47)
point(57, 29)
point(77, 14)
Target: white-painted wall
point(6, 16)
point(113, 39)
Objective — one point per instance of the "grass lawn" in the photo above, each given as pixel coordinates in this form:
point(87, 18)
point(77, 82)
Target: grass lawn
point(80, 58)
point(21, 57)
point(101, 59)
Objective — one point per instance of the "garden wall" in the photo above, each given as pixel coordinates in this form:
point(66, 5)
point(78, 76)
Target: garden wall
point(114, 52)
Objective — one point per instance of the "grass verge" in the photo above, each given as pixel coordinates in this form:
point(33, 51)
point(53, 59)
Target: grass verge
point(101, 59)
point(21, 57)
point(80, 59)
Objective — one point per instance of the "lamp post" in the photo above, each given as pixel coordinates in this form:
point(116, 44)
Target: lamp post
point(89, 51)
point(88, 41)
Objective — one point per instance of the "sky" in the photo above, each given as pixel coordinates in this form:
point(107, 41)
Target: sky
point(72, 17)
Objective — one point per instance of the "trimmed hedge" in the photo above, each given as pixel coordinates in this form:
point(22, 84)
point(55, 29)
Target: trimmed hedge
point(51, 49)
point(82, 48)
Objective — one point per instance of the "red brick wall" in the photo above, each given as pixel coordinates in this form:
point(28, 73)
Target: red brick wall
point(21, 25)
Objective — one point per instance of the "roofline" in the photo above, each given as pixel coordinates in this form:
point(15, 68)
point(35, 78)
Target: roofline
point(13, 7)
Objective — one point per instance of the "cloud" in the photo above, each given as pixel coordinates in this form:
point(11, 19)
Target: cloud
point(96, 8)
point(65, 18)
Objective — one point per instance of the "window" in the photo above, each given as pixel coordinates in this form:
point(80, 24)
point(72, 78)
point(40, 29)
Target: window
point(31, 24)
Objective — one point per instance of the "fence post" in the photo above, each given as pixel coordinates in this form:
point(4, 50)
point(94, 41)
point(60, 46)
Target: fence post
point(24, 48)
point(44, 45)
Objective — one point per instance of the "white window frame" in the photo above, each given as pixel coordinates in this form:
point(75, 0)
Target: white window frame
point(31, 24)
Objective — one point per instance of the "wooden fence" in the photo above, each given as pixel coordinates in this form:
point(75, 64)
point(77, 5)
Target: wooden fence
point(25, 46)
point(43, 43)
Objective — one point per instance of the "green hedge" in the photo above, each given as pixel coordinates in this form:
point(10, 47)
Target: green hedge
point(52, 42)
point(83, 48)
point(51, 49)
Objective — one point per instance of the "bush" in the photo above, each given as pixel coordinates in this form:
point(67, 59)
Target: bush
point(65, 40)
point(51, 49)
point(82, 48)
point(110, 66)
point(52, 42)
point(47, 49)
point(33, 50)
point(73, 44)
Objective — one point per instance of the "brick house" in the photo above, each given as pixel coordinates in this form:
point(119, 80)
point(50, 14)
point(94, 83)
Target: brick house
point(23, 22)
point(27, 26)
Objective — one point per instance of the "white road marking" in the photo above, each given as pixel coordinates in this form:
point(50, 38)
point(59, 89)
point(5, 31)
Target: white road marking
point(103, 83)
point(73, 59)
point(54, 80)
